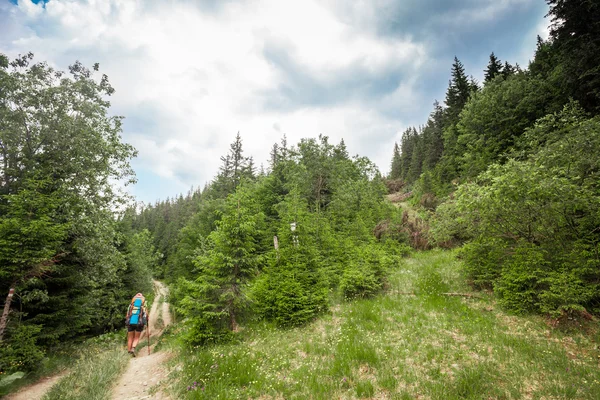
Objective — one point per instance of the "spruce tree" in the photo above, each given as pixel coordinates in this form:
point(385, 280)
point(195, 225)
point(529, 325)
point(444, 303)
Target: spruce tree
point(407, 147)
point(416, 160)
point(508, 70)
point(459, 90)
point(396, 168)
point(575, 33)
point(216, 297)
point(433, 137)
point(235, 167)
point(493, 69)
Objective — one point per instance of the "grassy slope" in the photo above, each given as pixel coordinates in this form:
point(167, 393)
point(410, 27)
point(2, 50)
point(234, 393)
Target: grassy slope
point(401, 347)
point(92, 376)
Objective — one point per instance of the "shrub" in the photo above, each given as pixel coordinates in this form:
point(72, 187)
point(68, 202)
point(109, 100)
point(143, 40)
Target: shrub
point(205, 323)
point(483, 260)
point(519, 285)
point(361, 283)
point(535, 220)
point(428, 201)
point(449, 227)
point(291, 291)
point(366, 273)
point(19, 351)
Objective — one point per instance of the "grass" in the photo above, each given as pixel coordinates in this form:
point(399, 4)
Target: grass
point(400, 347)
point(94, 373)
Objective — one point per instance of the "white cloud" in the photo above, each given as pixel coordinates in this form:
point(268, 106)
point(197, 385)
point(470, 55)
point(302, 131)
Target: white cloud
point(190, 78)
point(205, 71)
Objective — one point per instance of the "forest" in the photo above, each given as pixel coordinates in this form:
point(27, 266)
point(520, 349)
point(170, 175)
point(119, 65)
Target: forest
point(507, 170)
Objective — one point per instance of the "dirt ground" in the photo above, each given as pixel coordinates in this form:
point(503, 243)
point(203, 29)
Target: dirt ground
point(144, 371)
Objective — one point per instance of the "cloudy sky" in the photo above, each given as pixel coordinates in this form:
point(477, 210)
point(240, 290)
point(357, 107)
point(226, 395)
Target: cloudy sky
point(190, 74)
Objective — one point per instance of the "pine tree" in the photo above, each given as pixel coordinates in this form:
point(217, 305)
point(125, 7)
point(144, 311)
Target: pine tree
point(433, 140)
point(274, 156)
point(417, 156)
point(508, 70)
point(396, 168)
point(217, 298)
point(406, 147)
point(493, 69)
point(575, 33)
point(459, 90)
point(234, 169)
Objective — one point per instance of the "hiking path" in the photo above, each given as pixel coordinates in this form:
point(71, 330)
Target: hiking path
point(145, 371)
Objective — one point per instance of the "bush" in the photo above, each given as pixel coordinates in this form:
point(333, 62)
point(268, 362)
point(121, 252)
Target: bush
point(519, 285)
point(449, 227)
point(290, 292)
point(483, 261)
point(367, 272)
point(205, 323)
point(429, 202)
point(361, 283)
point(19, 351)
point(535, 220)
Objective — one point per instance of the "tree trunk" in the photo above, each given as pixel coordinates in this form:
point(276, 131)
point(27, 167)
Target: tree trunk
point(5, 313)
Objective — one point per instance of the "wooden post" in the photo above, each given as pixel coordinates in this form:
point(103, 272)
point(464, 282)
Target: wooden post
point(5, 312)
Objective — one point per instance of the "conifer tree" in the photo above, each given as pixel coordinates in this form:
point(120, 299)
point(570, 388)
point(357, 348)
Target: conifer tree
point(407, 147)
point(575, 33)
point(396, 168)
point(508, 70)
point(274, 156)
point(459, 90)
point(235, 167)
point(214, 301)
point(433, 142)
point(416, 160)
point(493, 69)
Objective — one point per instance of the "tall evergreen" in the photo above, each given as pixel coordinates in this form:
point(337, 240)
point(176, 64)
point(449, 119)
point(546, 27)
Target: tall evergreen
point(508, 70)
point(235, 168)
point(459, 90)
point(576, 34)
point(433, 137)
point(396, 168)
point(417, 157)
point(493, 69)
point(407, 148)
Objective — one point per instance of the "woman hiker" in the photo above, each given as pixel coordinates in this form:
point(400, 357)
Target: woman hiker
point(136, 320)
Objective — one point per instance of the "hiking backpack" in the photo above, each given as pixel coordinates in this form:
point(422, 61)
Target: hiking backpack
point(137, 316)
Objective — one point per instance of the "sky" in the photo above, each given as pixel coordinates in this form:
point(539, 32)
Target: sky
point(189, 75)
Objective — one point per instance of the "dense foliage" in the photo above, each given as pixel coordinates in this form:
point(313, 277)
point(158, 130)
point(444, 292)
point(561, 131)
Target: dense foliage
point(61, 249)
point(519, 170)
point(316, 202)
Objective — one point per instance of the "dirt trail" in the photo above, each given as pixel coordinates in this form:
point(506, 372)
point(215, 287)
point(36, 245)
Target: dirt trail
point(146, 371)
point(36, 390)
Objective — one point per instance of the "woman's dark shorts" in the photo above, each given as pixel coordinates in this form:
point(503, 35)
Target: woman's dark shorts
point(135, 328)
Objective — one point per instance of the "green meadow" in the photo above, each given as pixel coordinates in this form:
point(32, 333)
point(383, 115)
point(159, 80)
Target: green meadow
point(413, 342)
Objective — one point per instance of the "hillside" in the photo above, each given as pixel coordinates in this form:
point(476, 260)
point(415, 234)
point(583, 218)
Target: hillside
point(402, 346)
